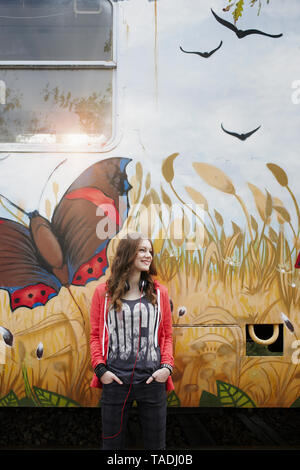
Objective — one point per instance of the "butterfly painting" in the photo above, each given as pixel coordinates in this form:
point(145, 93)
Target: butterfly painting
point(36, 261)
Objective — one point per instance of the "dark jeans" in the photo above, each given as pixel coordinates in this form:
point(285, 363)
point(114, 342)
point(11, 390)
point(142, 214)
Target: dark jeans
point(152, 408)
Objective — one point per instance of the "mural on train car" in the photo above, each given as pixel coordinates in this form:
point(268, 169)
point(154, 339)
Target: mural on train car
point(211, 366)
point(225, 270)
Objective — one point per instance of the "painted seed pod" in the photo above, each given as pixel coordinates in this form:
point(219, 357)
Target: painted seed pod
point(7, 336)
point(287, 322)
point(40, 351)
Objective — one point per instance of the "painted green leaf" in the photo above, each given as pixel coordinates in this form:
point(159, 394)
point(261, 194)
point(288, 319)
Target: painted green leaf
point(208, 399)
point(10, 399)
point(27, 401)
point(230, 395)
point(296, 403)
point(173, 399)
point(47, 398)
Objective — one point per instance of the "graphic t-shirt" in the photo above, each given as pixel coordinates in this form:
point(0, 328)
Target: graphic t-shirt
point(123, 330)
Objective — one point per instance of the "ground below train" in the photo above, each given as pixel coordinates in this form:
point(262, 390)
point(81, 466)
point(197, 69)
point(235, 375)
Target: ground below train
point(50, 428)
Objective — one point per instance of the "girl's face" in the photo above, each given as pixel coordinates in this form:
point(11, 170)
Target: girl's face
point(144, 256)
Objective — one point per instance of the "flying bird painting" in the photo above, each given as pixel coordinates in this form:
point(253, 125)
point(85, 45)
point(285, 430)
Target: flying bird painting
point(240, 136)
point(206, 55)
point(239, 32)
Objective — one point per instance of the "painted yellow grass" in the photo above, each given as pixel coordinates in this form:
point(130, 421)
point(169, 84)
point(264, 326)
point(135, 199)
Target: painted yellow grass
point(59, 326)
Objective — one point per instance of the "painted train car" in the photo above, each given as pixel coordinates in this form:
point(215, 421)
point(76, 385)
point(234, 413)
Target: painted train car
point(114, 118)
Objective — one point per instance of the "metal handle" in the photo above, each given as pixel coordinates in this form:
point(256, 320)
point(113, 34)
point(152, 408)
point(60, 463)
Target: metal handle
point(271, 340)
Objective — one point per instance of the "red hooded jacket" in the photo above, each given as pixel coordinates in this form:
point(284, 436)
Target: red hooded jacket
point(99, 331)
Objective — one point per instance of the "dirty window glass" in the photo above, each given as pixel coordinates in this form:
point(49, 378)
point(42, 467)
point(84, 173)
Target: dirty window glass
point(56, 106)
point(55, 30)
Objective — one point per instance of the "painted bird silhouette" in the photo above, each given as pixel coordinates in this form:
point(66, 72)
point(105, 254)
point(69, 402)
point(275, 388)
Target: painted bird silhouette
point(206, 55)
point(240, 136)
point(241, 33)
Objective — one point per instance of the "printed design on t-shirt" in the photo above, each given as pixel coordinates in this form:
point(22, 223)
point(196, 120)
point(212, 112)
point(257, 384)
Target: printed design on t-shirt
point(124, 332)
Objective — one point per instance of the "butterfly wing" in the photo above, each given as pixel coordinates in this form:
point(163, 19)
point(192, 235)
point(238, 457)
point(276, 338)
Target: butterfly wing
point(22, 273)
point(90, 213)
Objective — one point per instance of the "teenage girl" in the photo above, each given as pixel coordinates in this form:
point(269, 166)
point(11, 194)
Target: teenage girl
point(131, 345)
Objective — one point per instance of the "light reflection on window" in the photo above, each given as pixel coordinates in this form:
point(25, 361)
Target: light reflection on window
point(54, 103)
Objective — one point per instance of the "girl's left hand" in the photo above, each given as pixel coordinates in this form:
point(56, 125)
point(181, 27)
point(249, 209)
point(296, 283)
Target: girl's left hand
point(159, 375)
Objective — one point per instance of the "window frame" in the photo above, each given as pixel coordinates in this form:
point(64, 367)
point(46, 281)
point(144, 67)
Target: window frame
point(14, 147)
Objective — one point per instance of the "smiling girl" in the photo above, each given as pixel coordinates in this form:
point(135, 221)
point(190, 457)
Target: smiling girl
point(131, 345)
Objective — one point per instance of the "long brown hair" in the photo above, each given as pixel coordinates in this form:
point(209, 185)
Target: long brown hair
point(122, 266)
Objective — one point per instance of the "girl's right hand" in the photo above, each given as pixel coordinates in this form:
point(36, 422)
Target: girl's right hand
point(108, 377)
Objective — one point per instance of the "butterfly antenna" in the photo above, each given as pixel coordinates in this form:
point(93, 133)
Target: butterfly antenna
point(77, 305)
point(48, 179)
point(14, 205)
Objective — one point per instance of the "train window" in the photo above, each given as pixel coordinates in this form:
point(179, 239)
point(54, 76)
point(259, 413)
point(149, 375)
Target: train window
point(57, 66)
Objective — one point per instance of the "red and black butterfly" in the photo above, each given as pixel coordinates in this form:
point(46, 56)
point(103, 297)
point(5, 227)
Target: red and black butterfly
point(36, 262)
